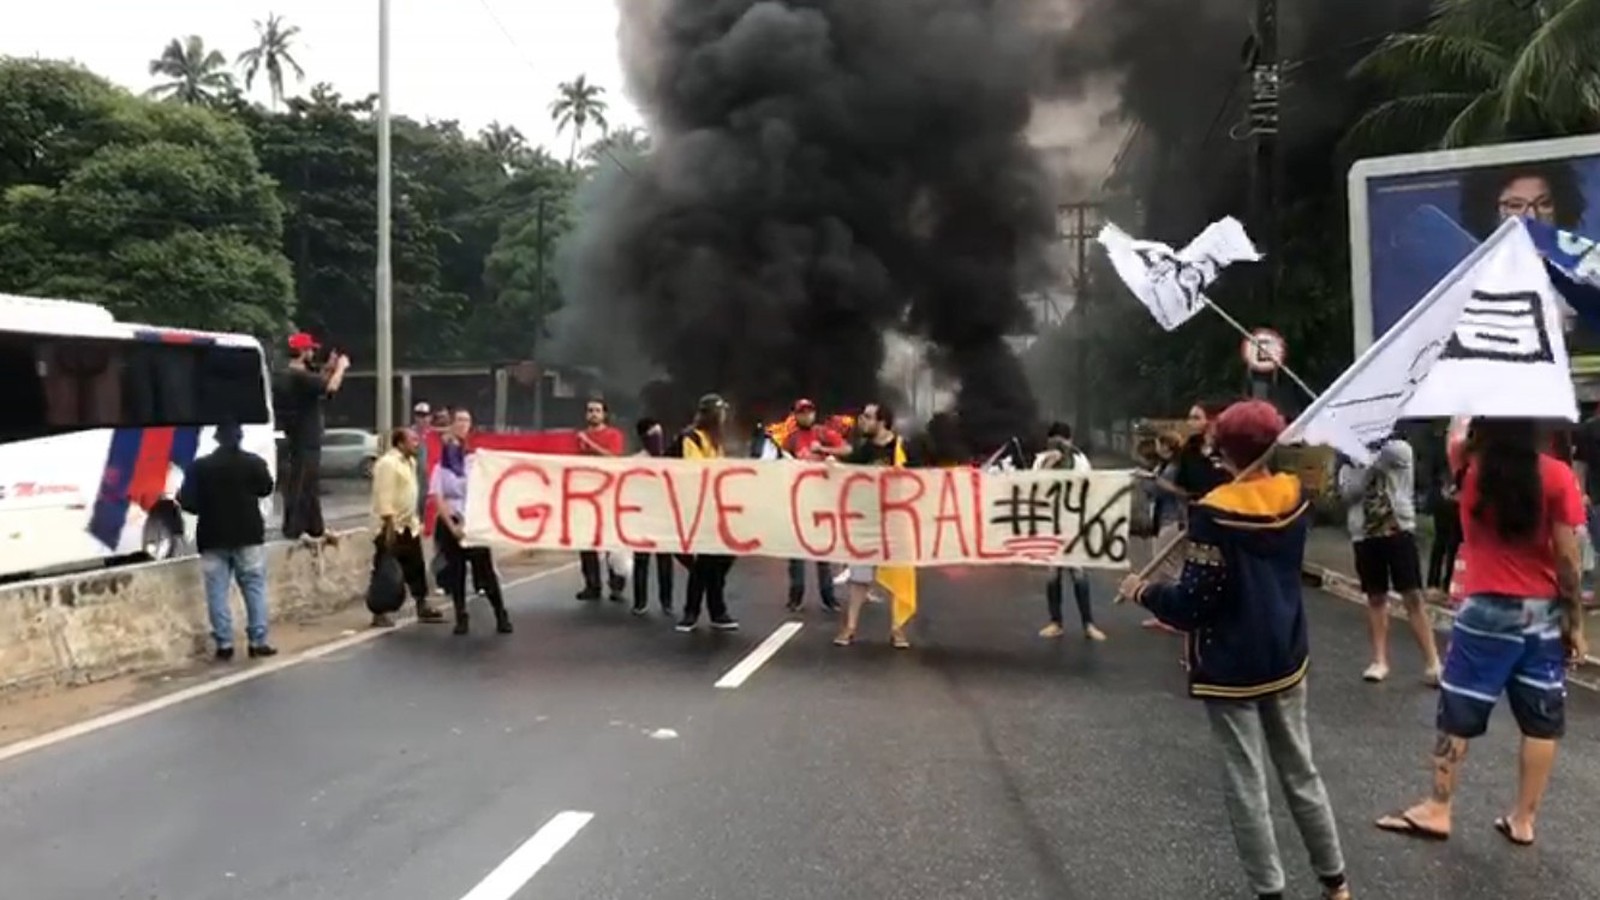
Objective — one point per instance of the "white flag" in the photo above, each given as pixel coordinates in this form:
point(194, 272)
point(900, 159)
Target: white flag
point(1171, 283)
point(1485, 341)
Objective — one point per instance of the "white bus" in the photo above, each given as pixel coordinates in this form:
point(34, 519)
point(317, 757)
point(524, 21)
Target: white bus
point(99, 422)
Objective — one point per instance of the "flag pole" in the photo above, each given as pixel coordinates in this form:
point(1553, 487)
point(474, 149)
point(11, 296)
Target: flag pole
point(1256, 342)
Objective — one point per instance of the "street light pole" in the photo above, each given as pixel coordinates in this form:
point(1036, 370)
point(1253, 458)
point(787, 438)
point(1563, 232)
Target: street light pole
point(385, 274)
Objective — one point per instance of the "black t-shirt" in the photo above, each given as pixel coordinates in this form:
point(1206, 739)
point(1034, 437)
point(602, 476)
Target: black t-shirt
point(872, 453)
point(303, 392)
point(1198, 474)
point(1587, 449)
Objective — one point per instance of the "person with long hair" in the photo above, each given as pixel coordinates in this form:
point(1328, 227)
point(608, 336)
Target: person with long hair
point(1241, 602)
point(449, 489)
point(1520, 624)
point(1195, 472)
point(708, 572)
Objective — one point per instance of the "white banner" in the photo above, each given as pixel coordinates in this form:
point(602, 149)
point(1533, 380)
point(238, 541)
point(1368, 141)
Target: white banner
point(1171, 283)
point(800, 510)
point(1486, 341)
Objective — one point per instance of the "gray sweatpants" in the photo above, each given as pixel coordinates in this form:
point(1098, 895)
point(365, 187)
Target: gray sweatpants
point(1248, 732)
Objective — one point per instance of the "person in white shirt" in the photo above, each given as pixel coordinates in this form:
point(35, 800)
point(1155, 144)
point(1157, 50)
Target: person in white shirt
point(1061, 453)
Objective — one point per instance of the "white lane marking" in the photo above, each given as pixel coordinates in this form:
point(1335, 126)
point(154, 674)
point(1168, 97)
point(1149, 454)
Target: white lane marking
point(117, 717)
point(526, 861)
point(759, 656)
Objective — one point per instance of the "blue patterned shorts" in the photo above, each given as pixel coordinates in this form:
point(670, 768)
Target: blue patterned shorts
point(1511, 646)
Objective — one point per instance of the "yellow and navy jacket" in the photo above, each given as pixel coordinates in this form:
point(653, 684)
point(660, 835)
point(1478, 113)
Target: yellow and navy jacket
point(1239, 598)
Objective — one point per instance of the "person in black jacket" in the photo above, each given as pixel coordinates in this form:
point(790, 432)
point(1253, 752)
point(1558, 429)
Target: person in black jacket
point(1239, 602)
point(223, 490)
point(654, 442)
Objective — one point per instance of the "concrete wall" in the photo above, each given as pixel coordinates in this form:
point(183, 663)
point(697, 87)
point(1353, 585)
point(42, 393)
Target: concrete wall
point(91, 626)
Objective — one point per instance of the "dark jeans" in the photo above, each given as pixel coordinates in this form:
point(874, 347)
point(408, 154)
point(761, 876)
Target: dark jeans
point(641, 579)
point(407, 551)
point(589, 562)
point(1080, 592)
point(708, 582)
point(797, 582)
point(302, 494)
point(458, 561)
point(1446, 541)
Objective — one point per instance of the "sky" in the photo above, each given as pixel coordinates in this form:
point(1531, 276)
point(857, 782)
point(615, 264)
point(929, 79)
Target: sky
point(476, 61)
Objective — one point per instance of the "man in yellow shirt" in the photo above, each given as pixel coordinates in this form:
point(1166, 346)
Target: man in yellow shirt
point(399, 528)
point(708, 573)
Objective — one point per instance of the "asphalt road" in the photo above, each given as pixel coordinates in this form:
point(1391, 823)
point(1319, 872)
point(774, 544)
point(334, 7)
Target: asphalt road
point(986, 763)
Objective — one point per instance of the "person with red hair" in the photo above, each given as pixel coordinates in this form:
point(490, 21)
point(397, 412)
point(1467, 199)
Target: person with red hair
point(1239, 602)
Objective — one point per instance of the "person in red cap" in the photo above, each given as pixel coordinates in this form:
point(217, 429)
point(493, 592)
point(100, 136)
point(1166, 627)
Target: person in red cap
point(304, 388)
point(812, 440)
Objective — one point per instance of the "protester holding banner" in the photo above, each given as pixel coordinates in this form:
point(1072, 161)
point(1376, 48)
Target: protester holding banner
point(879, 446)
point(1061, 453)
point(1240, 599)
point(652, 440)
point(708, 572)
point(811, 439)
point(1520, 624)
point(598, 438)
point(449, 490)
point(1382, 519)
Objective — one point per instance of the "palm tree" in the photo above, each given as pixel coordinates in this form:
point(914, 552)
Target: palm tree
point(506, 143)
point(577, 105)
point(197, 75)
point(272, 53)
point(1485, 71)
point(618, 146)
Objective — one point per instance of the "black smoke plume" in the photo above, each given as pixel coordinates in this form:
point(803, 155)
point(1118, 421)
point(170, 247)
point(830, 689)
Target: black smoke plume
point(822, 172)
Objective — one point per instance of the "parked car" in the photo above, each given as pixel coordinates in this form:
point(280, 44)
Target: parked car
point(348, 453)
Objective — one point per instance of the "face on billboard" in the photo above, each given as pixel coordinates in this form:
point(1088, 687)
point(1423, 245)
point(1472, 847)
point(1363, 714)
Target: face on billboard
point(1419, 224)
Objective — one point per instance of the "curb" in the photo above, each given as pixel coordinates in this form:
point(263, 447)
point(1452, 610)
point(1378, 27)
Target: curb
point(1347, 588)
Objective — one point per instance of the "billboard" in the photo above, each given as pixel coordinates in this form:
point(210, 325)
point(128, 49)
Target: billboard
point(1413, 217)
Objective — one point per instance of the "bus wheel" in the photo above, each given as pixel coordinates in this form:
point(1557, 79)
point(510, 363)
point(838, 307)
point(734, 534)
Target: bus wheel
point(163, 533)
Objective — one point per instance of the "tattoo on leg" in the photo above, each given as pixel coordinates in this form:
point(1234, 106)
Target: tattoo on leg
point(1448, 748)
point(1448, 751)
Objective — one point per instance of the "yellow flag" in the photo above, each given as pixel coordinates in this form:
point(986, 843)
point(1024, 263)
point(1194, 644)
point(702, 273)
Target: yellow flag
point(900, 581)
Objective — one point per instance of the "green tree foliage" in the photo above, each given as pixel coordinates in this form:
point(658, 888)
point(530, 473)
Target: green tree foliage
point(157, 210)
point(195, 74)
point(1484, 71)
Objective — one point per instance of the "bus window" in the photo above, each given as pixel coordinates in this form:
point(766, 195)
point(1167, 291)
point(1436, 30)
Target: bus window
point(57, 384)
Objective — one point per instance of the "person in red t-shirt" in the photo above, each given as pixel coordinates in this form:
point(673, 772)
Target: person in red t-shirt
point(1521, 622)
point(598, 438)
point(812, 440)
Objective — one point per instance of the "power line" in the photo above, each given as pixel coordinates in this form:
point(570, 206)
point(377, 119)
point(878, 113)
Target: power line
point(528, 61)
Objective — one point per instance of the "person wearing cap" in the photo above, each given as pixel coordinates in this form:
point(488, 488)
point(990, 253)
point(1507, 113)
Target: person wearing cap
point(223, 491)
point(304, 389)
point(811, 439)
point(708, 572)
point(422, 424)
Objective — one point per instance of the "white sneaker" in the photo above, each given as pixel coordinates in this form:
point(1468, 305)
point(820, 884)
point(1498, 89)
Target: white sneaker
point(1375, 673)
point(1431, 677)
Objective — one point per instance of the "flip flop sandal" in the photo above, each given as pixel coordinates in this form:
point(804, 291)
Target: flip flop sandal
point(1402, 824)
point(1503, 825)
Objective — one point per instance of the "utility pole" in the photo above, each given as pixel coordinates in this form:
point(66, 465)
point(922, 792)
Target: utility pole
point(385, 273)
point(1076, 220)
point(538, 313)
point(1265, 84)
